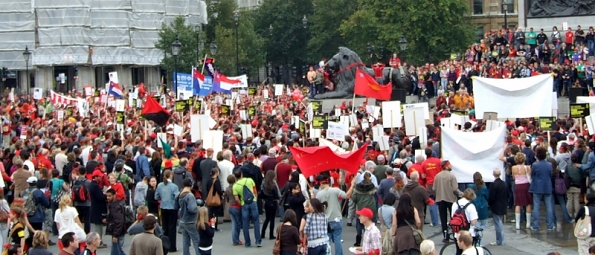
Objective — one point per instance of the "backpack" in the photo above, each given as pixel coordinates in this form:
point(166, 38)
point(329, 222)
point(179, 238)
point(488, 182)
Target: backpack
point(459, 221)
point(247, 194)
point(404, 168)
point(574, 174)
point(129, 216)
point(583, 228)
point(79, 191)
point(30, 205)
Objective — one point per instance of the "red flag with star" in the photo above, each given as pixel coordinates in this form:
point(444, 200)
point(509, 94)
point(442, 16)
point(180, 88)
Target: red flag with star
point(366, 85)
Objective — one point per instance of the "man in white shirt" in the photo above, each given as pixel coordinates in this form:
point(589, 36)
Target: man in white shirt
point(225, 168)
point(369, 167)
point(61, 159)
point(26, 156)
point(465, 243)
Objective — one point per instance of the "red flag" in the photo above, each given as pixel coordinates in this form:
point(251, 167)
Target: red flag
point(313, 160)
point(153, 111)
point(366, 85)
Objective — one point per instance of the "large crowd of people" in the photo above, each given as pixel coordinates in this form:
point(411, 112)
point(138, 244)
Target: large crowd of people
point(71, 177)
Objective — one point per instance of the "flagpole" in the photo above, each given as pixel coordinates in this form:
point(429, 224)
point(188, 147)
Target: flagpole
point(203, 64)
point(353, 104)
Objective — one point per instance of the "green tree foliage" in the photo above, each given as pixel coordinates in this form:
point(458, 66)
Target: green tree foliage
point(188, 38)
point(287, 42)
point(222, 30)
point(433, 29)
point(324, 25)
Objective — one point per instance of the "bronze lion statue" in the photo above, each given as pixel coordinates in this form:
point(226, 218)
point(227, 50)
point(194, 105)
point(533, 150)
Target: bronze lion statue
point(342, 67)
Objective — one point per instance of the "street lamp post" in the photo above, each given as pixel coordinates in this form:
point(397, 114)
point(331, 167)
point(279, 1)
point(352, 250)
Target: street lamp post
point(403, 45)
point(176, 46)
point(305, 23)
point(26, 56)
point(505, 8)
point(213, 49)
point(236, 18)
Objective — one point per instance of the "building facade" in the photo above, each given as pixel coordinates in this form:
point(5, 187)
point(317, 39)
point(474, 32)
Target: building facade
point(491, 15)
point(76, 43)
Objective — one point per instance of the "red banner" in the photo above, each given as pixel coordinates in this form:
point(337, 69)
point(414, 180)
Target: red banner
point(313, 160)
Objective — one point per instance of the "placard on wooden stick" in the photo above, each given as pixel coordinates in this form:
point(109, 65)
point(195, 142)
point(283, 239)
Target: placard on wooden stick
point(490, 116)
point(199, 124)
point(414, 119)
point(391, 114)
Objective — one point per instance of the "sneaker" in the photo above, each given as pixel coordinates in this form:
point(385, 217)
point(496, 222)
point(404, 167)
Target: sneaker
point(102, 246)
point(349, 224)
point(494, 244)
point(258, 245)
point(50, 243)
point(238, 244)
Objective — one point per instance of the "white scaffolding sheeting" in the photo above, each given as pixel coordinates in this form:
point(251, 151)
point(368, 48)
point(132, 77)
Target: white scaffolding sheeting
point(17, 40)
point(126, 56)
point(76, 36)
point(15, 6)
point(152, 21)
point(61, 55)
point(17, 22)
point(65, 17)
point(111, 5)
point(144, 38)
point(176, 7)
point(49, 36)
point(110, 37)
point(54, 4)
point(14, 59)
point(145, 6)
point(109, 18)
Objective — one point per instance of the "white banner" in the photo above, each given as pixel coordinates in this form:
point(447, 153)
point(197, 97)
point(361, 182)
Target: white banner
point(243, 81)
point(514, 98)
point(470, 152)
point(586, 100)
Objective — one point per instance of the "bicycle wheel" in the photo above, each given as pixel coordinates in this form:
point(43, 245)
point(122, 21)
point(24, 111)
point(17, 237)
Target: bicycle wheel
point(449, 249)
point(486, 251)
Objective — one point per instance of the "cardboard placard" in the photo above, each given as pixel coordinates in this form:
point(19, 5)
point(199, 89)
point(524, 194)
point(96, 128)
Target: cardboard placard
point(246, 131)
point(391, 114)
point(316, 106)
point(199, 124)
point(214, 140)
point(590, 124)
point(490, 116)
point(252, 91)
point(424, 106)
point(320, 122)
point(548, 123)
point(252, 111)
point(414, 119)
point(226, 110)
point(336, 131)
point(182, 105)
point(197, 105)
point(120, 118)
point(278, 89)
point(579, 110)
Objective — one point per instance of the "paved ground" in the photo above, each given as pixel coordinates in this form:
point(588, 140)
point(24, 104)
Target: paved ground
point(516, 242)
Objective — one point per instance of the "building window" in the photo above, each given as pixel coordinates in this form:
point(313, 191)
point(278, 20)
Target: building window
point(138, 75)
point(479, 33)
point(509, 6)
point(477, 6)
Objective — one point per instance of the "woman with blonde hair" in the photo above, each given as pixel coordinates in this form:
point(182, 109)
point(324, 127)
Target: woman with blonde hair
point(427, 247)
point(167, 192)
point(522, 198)
point(40, 244)
point(206, 231)
point(67, 220)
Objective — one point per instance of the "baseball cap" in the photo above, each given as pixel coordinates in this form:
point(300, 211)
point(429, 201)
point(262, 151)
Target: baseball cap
point(366, 212)
point(32, 179)
point(444, 163)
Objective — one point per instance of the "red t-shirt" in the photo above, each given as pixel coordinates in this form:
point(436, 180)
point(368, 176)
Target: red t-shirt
point(417, 167)
point(569, 37)
point(431, 168)
point(283, 172)
point(512, 53)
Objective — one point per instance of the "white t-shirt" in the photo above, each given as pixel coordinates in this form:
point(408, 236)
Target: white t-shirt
point(470, 212)
point(29, 165)
point(472, 251)
point(65, 218)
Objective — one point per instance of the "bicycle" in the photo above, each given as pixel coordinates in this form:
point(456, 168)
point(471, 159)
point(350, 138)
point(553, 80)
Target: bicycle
point(451, 249)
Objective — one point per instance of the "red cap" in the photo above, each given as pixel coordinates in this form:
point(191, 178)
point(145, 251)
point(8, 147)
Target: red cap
point(153, 136)
point(515, 133)
point(366, 212)
point(168, 164)
point(363, 162)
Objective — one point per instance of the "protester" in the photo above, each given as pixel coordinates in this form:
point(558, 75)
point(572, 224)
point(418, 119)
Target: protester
point(215, 188)
point(481, 200)
point(541, 187)
point(206, 231)
point(314, 228)
point(371, 242)
point(522, 197)
point(147, 243)
point(446, 188)
point(40, 244)
point(188, 214)
point(166, 193)
point(70, 244)
point(249, 210)
point(270, 194)
point(67, 220)
point(470, 215)
point(115, 222)
point(497, 201)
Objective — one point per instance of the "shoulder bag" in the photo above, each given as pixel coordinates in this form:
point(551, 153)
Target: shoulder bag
point(277, 245)
point(418, 235)
point(527, 174)
point(213, 199)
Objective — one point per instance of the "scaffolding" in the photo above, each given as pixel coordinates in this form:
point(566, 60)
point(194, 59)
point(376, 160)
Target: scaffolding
point(89, 32)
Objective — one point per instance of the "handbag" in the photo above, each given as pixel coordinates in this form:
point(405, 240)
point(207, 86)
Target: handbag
point(417, 234)
point(213, 200)
point(59, 194)
point(560, 185)
point(47, 192)
point(277, 245)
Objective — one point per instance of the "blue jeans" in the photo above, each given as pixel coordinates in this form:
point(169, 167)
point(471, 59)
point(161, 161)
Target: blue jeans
point(236, 220)
point(117, 248)
point(189, 232)
point(335, 235)
point(250, 213)
point(591, 46)
point(434, 214)
point(318, 250)
point(281, 211)
point(562, 201)
point(549, 207)
point(483, 224)
point(312, 90)
point(499, 227)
